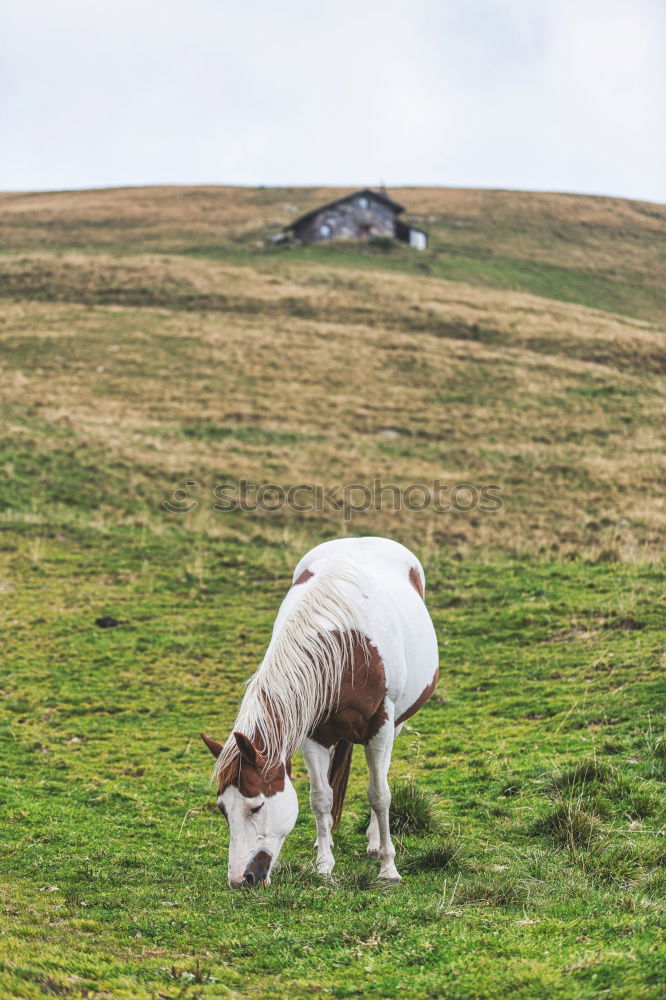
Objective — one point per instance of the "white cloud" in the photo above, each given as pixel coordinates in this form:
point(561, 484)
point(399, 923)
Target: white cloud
point(500, 93)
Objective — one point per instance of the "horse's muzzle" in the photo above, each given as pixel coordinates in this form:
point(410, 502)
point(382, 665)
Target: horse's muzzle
point(257, 871)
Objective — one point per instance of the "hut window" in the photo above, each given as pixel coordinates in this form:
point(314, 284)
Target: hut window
point(325, 230)
point(363, 203)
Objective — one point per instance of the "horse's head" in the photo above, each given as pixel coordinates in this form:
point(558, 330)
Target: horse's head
point(260, 804)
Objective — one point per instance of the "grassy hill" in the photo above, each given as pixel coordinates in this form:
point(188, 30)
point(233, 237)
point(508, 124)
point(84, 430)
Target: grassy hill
point(150, 339)
point(608, 253)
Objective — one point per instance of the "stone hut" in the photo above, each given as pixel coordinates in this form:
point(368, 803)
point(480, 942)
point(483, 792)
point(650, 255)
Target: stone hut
point(357, 216)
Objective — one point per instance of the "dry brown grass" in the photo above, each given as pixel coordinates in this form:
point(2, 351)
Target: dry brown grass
point(410, 303)
point(297, 376)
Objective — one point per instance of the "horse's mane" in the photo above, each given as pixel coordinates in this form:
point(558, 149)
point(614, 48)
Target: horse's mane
point(298, 682)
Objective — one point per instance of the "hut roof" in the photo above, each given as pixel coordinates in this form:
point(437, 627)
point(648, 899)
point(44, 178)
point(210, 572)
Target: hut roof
point(365, 193)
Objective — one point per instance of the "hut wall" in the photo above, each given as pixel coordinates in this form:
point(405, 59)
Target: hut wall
point(350, 220)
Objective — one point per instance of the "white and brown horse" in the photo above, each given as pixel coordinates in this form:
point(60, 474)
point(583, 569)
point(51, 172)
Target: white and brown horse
point(353, 654)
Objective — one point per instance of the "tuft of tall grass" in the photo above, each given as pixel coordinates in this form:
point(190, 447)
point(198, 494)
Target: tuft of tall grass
point(655, 751)
point(642, 804)
point(359, 878)
point(496, 890)
point(569, 825)
point(582, 773)
point(443, 853)
point(621, 863)
point(412, 808)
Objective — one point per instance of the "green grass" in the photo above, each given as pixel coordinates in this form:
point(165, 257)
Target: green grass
point(113, 853)
point(497, 271)
point(636, 297)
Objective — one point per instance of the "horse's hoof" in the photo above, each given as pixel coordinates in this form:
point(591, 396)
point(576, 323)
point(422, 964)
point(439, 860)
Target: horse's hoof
point(372, 852)
point(390, 879)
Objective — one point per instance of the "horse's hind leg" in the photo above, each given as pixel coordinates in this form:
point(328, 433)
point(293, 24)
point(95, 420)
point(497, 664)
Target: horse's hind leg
point(378, 757)
point(317, 760)
point(372, 833)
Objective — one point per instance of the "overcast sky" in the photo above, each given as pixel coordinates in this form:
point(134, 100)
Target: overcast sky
point(566, 95)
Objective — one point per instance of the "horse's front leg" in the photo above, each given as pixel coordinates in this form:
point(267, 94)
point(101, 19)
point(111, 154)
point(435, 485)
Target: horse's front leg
point(378, 757)
point(317, 760)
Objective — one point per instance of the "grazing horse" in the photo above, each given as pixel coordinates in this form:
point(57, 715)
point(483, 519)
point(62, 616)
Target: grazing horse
point(352, 656)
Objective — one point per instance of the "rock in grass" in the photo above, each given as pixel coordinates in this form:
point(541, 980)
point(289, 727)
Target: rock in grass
point(106, 621)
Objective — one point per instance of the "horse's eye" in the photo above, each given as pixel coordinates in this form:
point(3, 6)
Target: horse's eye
point(257, 808)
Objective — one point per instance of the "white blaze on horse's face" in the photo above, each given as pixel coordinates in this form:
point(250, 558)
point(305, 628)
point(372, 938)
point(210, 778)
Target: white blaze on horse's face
point(258, 828)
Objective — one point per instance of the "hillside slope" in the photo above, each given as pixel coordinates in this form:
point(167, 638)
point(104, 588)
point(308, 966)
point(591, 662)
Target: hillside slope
point(609, 253)
point(321, 367)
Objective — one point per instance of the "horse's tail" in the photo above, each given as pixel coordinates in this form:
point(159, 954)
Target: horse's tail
point(339, 776)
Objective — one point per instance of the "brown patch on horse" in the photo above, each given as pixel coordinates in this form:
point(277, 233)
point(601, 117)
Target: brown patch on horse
point(358, 715)
point(248, 772)
point(420, 701)
point(416, 581)
point(359, 712)
point(303, 577)
point(253, 782)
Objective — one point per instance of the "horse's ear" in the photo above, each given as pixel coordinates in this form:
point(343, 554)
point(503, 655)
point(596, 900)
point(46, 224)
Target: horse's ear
point(214, 747)
point(248, 750)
